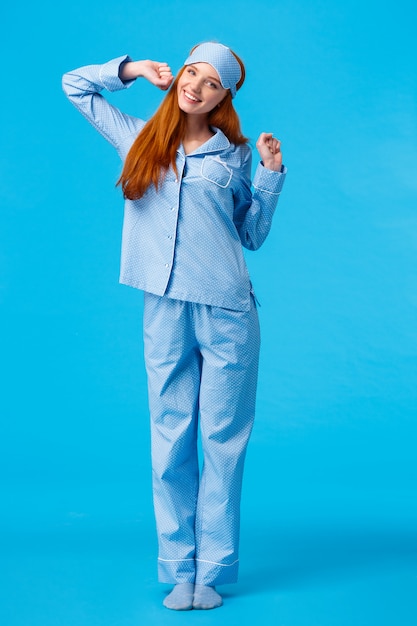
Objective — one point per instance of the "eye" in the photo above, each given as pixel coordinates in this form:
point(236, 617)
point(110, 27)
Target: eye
point(191, 71)
point(212, 85)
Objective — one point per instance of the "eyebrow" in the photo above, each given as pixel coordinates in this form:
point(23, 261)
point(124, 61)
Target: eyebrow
point(216, 80)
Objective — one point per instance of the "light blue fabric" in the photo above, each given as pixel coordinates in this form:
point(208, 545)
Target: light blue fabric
point(202, 363)
point(184, 241)
point(221, 58)
point(183, 246)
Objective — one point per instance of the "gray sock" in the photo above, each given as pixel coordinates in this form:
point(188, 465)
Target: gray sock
point(206, 598)
point(181, 597)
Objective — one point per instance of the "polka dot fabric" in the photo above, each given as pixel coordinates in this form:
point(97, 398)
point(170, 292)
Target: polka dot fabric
point(184, 240)
point(182, 245)
point(202, 365)
point(221, 58)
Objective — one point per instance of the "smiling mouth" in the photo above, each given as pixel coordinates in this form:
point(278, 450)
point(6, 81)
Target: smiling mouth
point(190, 97)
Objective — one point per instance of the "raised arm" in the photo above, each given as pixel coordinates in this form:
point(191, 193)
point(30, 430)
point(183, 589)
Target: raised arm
point(255, 203)
point(83, 86)
point(159, 74)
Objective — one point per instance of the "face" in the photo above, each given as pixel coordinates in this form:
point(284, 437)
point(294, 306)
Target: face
point(199, 89)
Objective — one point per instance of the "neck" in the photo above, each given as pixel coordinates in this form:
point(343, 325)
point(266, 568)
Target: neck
point(197, 127)
point(197, 132)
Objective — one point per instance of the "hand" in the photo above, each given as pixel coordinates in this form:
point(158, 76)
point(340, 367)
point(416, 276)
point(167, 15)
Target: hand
point(269, 150)
point(159, 74)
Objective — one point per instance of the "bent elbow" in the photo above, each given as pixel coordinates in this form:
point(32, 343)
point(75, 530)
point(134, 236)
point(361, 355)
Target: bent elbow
point(67, 84)
point(250, 243)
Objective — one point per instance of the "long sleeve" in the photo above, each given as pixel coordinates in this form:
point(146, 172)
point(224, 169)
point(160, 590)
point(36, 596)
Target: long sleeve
point(83, 86)
point(184, 240)
point(255, 207)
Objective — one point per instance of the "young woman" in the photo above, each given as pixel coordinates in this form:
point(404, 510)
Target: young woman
point(189, 208)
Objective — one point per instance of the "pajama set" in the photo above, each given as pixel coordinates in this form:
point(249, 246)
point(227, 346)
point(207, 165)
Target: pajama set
point(182, 245)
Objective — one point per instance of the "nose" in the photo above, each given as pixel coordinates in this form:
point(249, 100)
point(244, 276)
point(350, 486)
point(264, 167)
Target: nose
point(196, 84)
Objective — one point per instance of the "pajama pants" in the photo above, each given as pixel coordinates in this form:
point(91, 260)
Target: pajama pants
point(202, 366)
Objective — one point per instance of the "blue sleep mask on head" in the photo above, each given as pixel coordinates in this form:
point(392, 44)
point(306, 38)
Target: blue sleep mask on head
point(222, 59)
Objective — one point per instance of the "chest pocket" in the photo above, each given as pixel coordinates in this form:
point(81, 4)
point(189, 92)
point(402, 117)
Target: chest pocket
point(216, 171)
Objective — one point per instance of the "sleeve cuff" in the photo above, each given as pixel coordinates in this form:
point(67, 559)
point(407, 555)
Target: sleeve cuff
point(109, 74)
point(268, 180)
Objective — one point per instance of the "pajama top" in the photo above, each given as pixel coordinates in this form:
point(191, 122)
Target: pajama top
point(185, 240)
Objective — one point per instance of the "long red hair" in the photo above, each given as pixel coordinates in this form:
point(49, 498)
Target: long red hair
point(155, 148)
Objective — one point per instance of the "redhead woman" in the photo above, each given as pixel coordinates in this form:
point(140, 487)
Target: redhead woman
point(190, 206)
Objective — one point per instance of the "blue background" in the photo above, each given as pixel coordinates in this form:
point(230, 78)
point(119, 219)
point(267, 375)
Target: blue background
point(329, 508)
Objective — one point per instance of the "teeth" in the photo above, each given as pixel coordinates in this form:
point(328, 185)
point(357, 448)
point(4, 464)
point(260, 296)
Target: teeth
point(191, 97)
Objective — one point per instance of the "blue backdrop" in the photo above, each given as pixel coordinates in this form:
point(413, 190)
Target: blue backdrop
point(329, 508)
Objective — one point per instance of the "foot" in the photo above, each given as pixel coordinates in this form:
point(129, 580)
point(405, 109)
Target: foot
point(180, 598)
point(206, 598)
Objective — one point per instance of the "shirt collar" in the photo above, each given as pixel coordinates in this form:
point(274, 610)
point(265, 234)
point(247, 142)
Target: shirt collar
point(217, 143)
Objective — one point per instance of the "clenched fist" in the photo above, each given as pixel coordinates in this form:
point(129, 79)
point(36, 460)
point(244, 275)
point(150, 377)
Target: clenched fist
point(269, 150)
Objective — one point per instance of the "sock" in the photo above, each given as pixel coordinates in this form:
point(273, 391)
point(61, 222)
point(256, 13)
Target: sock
point(206, 598)
point(180, 598)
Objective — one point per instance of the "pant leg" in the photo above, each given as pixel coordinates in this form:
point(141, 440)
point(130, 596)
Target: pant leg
point(229, 342)
point(173, 365)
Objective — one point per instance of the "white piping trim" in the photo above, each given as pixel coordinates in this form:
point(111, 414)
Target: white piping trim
point(221, 564)
point(272, 193)
point(201, 561)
